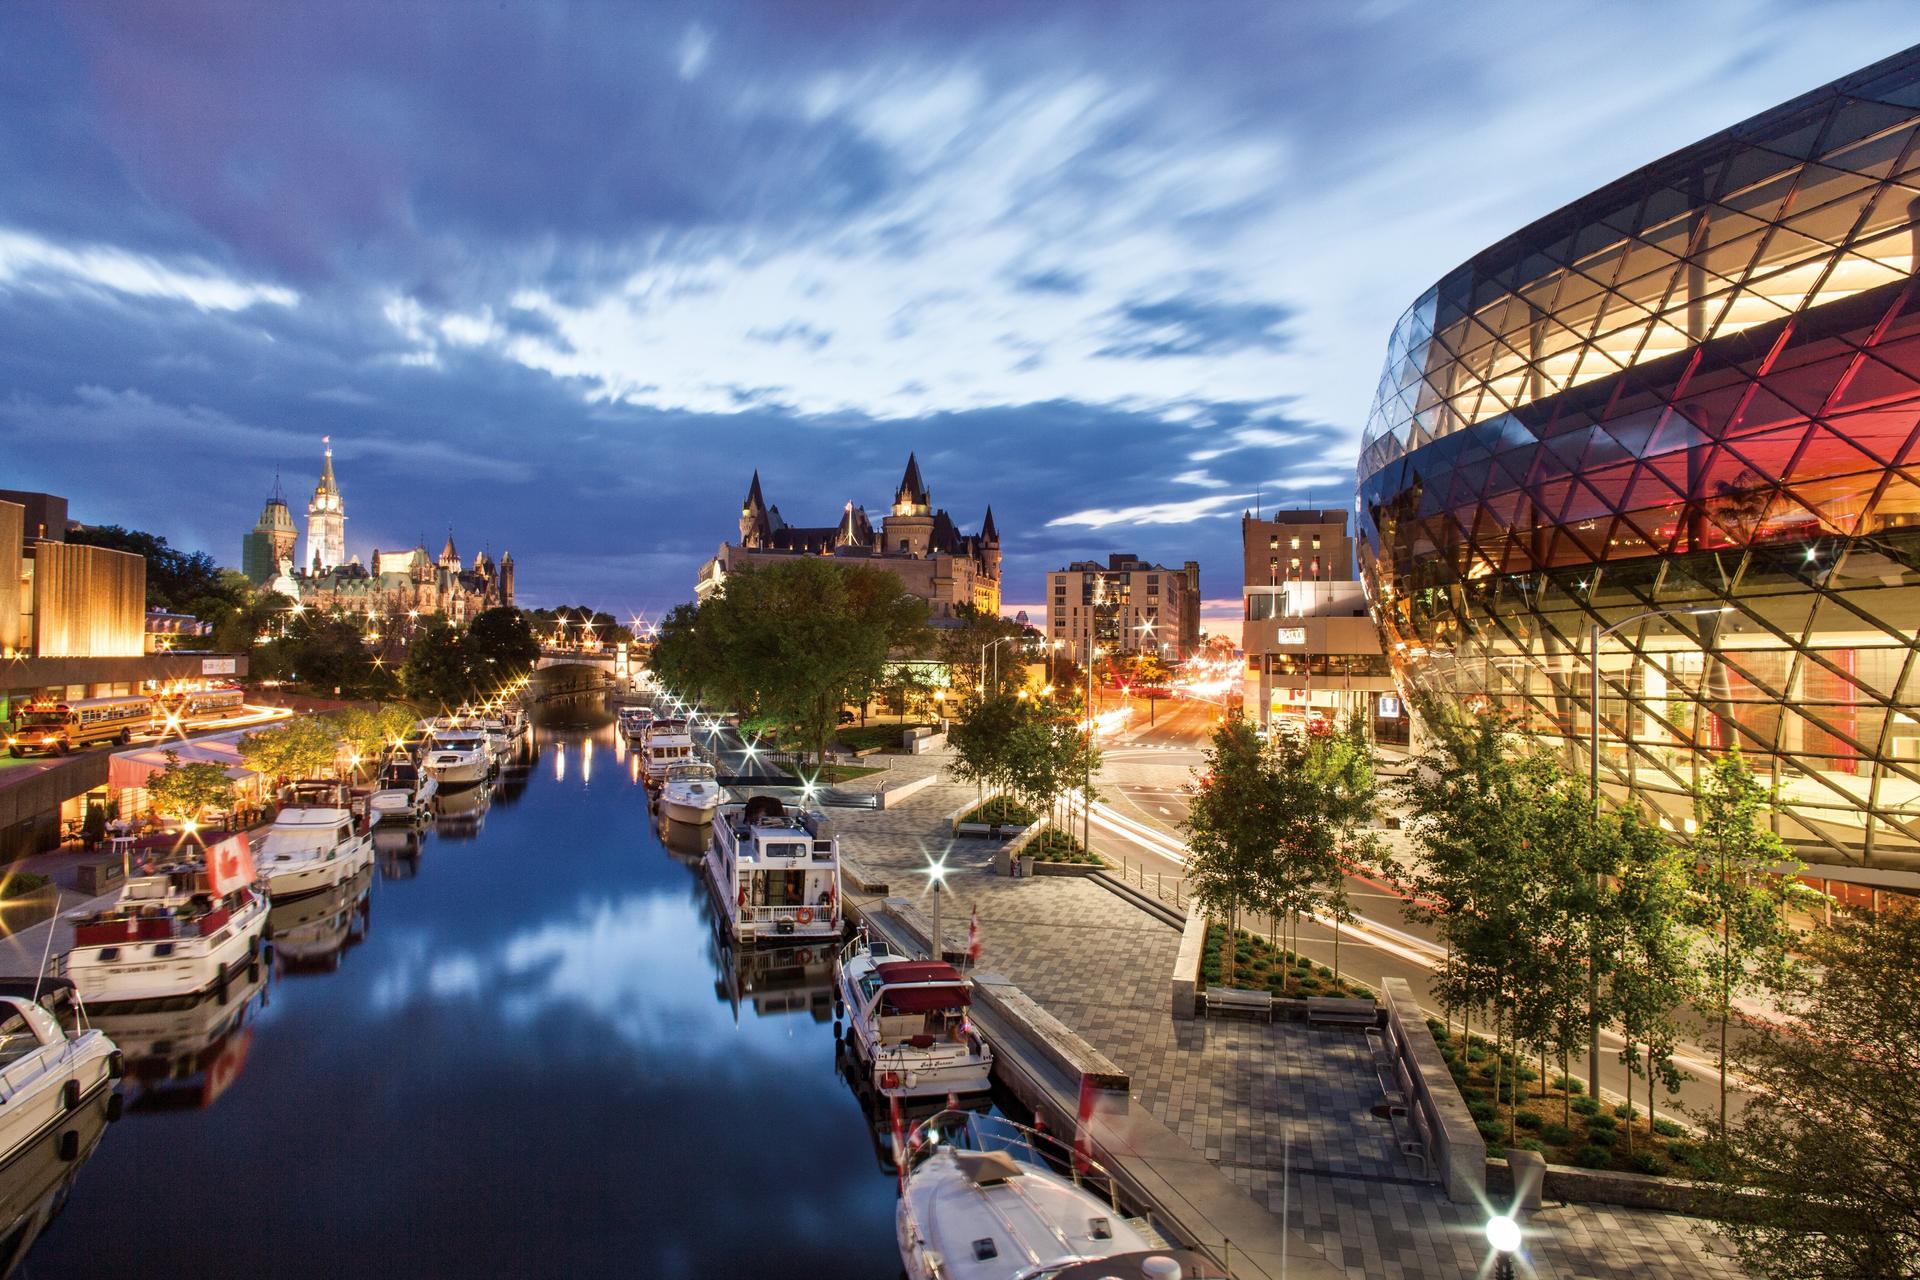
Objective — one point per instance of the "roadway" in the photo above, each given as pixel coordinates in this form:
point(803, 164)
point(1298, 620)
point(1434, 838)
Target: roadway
point(18, 768)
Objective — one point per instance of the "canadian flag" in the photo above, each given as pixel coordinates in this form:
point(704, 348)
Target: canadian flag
point(973, 937)
point(229, 865)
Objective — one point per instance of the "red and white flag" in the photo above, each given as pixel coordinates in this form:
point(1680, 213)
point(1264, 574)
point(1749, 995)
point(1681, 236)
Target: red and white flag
point(973, 937)
point(229, 865)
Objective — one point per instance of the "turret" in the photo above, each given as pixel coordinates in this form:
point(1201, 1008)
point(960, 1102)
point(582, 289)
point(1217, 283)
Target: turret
point(908, 529)
point(754, 526)
point(450, 558)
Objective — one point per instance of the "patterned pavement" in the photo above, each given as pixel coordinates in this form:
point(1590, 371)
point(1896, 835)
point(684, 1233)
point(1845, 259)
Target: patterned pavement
point(1255, 1098)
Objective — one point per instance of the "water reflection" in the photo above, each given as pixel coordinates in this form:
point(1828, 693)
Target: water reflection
point(186, 1052)
point(34, 1185)
point(774, 980)
point(538, 1064)
point(459, 815)
point(314, 933)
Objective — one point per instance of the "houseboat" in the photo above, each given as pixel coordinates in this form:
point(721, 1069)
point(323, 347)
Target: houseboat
point(908, 1021)
point(667, 743)
point(774, 874)
point(314, 845)
point(404, 792)
point(185, 927)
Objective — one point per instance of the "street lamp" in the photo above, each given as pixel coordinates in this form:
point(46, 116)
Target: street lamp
point(1503, 1236)
point(995, 646)
point(937, 876)
point(1594, 635)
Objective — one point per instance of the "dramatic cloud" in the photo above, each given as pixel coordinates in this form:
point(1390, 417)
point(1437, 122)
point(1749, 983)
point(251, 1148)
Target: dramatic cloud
point(561, 275)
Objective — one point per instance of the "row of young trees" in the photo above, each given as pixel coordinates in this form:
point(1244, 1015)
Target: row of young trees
point(1275, 828)
point(1034, 750)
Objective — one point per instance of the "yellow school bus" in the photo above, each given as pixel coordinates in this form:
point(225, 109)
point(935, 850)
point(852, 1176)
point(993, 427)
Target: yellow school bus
point(60, 727)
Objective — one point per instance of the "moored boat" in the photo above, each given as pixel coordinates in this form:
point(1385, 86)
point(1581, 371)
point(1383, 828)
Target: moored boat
point(774, 874)
point(46, 1071)
point(186, 927)
point(313, 844)
point(458, 758)
point(981, 1201)
point(690, 793)
point(667, 743)
point(404, 791)
point(908, 1020)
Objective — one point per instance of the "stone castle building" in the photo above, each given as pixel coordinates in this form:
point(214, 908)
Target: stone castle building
point(915, 542)
point(389, 584)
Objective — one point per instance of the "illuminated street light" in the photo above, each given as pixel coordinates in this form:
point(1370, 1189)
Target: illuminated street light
point(936, 877)
point(1503, 1236)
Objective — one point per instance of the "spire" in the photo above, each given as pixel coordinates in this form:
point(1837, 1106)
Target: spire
point(449, 558)
point(278, 496)
point(987, 532)
point(327, 483)
point(754, 502)
point(913, 490)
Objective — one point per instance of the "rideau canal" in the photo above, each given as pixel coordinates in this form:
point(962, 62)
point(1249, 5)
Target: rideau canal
point(517, 1047)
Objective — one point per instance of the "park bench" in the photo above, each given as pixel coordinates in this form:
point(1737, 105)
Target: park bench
point(1233, 1000)
point(1344, 1013)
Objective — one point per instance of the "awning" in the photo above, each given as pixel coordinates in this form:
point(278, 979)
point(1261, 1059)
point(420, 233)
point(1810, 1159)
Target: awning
point(925, 999)
point(892, 971)
point(132, 768)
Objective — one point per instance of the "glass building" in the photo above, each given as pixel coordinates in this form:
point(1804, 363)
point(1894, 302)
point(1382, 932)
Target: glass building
point(1682, 415)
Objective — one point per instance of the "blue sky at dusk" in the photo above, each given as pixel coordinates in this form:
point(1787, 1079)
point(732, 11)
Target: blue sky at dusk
point(562, 276)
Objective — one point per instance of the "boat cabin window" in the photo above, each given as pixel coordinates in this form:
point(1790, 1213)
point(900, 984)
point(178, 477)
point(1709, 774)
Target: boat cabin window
point(16, 1038)
point(783, 849)
point(342, 834)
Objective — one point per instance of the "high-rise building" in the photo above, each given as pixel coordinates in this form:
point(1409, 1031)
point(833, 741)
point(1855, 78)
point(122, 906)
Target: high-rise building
point(917, 543)
point(1126, 605)
point(271, 541)
point(326, 520)
point(1313, 653)
point(1674, 427)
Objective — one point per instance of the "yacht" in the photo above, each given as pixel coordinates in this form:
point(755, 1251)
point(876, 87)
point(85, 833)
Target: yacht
point(690, 793)
point(36, 1182)
point(667, 743)
point(908, 1021)
point(312, 846)
point(981, 1201)
point(774, 874)
point(186, 927)
point(499, 742)
point(45, 1071)
point(404, 792)
point(458, 758)
point(634, 722)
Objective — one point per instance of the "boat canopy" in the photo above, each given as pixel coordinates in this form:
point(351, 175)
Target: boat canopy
point(921, 986)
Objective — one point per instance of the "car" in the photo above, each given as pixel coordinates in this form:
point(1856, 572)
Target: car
point(846, 716)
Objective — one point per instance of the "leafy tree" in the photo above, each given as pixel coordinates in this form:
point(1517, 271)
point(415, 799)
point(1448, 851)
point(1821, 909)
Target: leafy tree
point(303, 747)
point(1053, 756)
point(1744, 883)
point(1825, 1153)
point(189, 791)
point(960, 647)
point(325, 653)
point(1344, 793)
point(437, 670)
point(181, 581)
point(369, 734)
point(1232, 828)
point(983, 742)
point(1650, 971)
point(499, 646)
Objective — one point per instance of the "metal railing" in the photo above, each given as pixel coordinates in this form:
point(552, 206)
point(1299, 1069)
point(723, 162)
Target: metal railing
point(1170, 889)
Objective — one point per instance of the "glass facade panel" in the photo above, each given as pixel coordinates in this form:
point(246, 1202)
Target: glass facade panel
point(1695, 396)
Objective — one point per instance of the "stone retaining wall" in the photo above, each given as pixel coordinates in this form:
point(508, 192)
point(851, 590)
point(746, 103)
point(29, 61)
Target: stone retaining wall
point(1057, 1042)
point(892, 796)
point(1186, 967)
point(1608, 1186)
point(1455, 1149)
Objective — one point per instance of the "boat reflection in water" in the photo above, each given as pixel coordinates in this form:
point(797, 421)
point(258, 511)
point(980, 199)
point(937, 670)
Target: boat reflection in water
point(460, 815)
point(183, 1053)
point(774, 979)
point(312, 934)
point(880, 1109)
point(34, 1185)
point(398, 851)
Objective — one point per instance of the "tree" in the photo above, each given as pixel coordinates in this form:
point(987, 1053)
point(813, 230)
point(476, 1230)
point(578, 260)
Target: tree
point(325, 653)
point(1825, 1154)
point(176, 580)
point(303, 747)
point(370, 734)
point(983, 742)
point(1744, 883)
point(1232, 829)
point(961, 646)
point(189, 791)
point(1650, 972)
point(499, 646)
point(436, 670)
point(1344, 792)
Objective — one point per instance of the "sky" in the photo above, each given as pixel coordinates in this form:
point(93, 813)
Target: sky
point(561, 276)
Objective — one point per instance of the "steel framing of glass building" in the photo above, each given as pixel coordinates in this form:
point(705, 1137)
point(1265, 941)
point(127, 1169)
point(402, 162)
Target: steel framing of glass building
point(1687, 407)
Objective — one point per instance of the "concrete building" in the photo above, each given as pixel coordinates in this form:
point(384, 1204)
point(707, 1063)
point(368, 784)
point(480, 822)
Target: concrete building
point(1313, 652)
point(74, 624)
point(1125, 606)
point(917, 543)
point(271, 542)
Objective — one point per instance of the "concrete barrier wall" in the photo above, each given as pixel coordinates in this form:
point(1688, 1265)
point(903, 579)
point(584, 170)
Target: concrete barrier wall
point(1058, 1043)
point(1455, 1149)
point(1607, 1186)
point(892, 796)
point(1186, 967)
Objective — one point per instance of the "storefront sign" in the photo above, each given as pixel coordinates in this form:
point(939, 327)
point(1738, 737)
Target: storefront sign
point(216, 666)
point(1290, 635)
point(1389, 707)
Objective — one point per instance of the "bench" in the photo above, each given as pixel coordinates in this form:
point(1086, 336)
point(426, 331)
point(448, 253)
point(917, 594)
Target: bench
point(1233, 1000)
point(1344, 1013)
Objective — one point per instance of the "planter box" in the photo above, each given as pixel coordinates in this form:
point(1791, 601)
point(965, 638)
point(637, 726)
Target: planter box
point(1001, 831)
point(1043, 868)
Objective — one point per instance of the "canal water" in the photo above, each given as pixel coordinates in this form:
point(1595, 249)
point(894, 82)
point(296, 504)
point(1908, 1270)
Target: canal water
point(516, 1048)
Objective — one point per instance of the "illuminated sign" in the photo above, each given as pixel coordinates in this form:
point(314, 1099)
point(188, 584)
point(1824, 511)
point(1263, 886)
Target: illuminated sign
point(216, 666)
point(1389, 706)
point(1290, 635)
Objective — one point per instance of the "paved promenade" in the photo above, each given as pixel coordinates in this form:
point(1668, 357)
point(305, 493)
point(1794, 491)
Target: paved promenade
point(1254, 1098)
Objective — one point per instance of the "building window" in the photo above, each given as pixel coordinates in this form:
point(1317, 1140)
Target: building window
point(1316, 542)
point(1273, 542)
point(1294, 564)
point(1294, 543)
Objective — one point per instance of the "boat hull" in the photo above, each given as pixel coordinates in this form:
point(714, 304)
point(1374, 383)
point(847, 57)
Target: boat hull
point(692, 815)
point(35, 1105)
point(318, 875)
point(137, 973)
point(459, 777)
point(824, 921)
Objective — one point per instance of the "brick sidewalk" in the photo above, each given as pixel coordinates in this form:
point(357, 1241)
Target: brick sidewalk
point(1249, 1095)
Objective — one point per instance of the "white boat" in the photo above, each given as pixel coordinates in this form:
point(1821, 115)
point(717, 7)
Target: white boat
point(186, 927)
point(312, 846)
point(667, 743)
point(690, 793)
point(634, 722)
point(46, 1072)
point(908, 1021)
point(404, 792)
point(981, 1201)
point(36, 1182)
point(458, 758)
point(499, 742)
point(775, 875)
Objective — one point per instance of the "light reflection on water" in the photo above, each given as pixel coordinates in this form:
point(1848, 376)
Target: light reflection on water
point(533, 1057)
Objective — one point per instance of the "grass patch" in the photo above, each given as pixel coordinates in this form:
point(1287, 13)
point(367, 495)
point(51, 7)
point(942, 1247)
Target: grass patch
point(1260, 966)
point(1002, 809)
point(846, 772)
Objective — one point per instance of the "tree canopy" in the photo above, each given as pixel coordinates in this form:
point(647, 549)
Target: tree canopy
point(189, 791)
point(180, 581)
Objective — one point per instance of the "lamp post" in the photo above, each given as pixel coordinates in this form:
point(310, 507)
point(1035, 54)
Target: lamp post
point(936, 876)
point(995, 646)
point(1503, 1236)
point(1594, 635)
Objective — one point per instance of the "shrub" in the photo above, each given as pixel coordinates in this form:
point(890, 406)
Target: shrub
point(1324, 972)
point(1667, 1128)
point(1492, 1130)
point(1309, 984)
point(1680, 1152)
point(1439, 1030)
point(1482, 1110)
point(1586, 1106)
point(1526, 1073)
point(1477, 1051)
point(1645, 1162)
point(1558, 1134)
point(21, 883)
point(1593, 1157)
point(1625, 1111)
point(1568, 1084)
point(1528, 1119)
point(1533, 1144)
point(1473, 1095)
